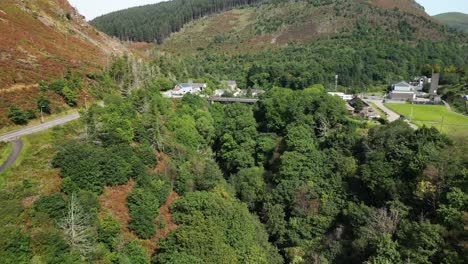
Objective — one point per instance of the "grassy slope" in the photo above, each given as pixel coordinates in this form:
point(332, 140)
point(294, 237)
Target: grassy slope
point(454, 19)
point(5, 149)
point(432, 115)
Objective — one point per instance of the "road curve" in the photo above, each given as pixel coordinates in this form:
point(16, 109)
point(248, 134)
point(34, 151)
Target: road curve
point(11, 136)
point(17, 147)
point(391, 116)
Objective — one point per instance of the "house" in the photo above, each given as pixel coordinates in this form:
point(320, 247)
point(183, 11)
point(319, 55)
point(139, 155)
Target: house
point(346, 97)
point(228, 87)
point(419, 82)
point(198, 87)
point(257, 92)
point(402, 91)
point(192, 88)
point(350, 109)
point(232, 84)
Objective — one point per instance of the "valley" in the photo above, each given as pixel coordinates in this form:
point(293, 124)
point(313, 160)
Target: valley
point(232, 131)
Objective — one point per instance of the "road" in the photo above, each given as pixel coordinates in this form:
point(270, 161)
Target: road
point(11, 136)
point(17, 147)
point(391, 116)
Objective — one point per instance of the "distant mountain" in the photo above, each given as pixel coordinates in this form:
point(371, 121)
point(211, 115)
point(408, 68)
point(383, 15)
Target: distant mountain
point(455, 20)
point(155, 23)
point(279, 23)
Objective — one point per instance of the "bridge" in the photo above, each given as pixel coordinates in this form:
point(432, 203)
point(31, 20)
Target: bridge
point(233, 100)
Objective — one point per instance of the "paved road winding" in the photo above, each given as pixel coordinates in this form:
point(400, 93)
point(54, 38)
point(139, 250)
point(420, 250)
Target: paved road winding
point(11, 136)
point(17, 147)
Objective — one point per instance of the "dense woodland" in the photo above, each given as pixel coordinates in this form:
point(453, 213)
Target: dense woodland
point(292, 179)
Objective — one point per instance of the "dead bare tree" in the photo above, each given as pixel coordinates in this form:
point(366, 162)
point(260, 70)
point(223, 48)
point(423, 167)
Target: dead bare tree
point(77, 229)
point(385, 221)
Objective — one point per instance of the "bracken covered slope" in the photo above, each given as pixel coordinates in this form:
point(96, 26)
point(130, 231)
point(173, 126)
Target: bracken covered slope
point(39, 39)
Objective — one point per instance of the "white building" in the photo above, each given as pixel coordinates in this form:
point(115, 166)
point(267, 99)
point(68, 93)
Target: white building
point(192, 88)
point(346, 97)
point(403, 91)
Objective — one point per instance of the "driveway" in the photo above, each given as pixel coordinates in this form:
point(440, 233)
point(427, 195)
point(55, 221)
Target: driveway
point(391, 116)
point(17, 147)
point(11, 136)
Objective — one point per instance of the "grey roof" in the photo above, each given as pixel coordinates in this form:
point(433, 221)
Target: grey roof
point(185, 85)
point(403, 84)
point(231, 82)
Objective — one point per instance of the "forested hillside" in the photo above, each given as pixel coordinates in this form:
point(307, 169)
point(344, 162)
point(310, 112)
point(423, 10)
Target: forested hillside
point(296, 44)
point(292, 179)
point(154, 23)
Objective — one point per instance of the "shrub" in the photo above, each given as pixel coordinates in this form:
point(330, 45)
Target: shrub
point(109, 232)
point(143, 207)
point(54, 205)
point(17, 116)
point(43, 103)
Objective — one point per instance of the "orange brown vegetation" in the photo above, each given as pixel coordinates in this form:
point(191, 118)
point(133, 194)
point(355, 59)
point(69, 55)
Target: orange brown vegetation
point(38, 41)
point(164, 214)
point(114, 202)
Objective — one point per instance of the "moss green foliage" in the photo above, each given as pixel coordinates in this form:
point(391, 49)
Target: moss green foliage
point(54, 205)
point(67, 87)
point(109, 232)
point(18, 116)
point(91, 167)
point(143, 205)
point(134, 253)
point(43, 104)
point(224, 226)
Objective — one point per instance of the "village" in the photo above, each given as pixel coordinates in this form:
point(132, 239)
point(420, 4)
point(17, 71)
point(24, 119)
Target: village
point(228, 88)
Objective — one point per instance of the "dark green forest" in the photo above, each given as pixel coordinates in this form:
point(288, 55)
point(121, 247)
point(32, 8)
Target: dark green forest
point(291, 179)
point(154, 23)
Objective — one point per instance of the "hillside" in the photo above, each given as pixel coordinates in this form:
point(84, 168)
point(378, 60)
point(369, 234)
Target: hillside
point(39, 39)
point(154, 23)
point(276, 25)
point(298, 44)
point(455, 20)
point(42, 40)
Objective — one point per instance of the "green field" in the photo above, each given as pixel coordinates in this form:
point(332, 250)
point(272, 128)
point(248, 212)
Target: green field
point(433, 115)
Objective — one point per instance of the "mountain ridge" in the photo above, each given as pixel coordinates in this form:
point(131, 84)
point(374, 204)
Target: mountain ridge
point(155, 23)
point(455, 20)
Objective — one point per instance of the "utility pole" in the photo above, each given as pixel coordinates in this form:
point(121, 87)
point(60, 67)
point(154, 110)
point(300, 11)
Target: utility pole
point(336, 82)
point(42, 116)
